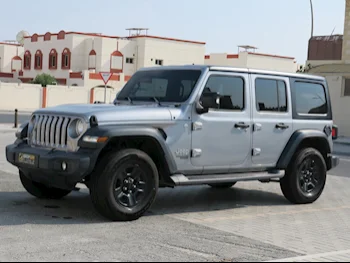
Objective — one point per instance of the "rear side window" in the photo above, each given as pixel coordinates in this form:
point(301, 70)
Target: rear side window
point(271, 95)
point(310, 98)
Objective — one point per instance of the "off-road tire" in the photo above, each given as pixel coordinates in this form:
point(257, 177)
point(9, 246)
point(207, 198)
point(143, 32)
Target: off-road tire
point(291, 182)
point(42, 191)
point(222, 186)
point(102, 187)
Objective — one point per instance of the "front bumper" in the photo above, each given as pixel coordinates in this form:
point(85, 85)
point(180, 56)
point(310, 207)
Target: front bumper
point(47, 168)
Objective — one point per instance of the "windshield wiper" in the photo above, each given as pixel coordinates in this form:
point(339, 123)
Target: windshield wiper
point(157, 101)
point(127, 98)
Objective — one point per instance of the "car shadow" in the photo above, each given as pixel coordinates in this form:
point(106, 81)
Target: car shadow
point(18, 208)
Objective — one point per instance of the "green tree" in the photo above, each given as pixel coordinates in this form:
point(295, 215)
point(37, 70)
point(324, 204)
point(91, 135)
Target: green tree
point(44, 80)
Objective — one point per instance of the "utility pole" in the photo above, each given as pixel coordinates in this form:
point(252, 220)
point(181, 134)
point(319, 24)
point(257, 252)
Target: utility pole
point(312, 19)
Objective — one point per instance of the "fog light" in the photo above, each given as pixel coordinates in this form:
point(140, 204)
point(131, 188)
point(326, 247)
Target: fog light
point(64, 166)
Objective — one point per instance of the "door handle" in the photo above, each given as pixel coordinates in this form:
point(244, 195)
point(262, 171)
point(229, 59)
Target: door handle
point(281, 126)
point(241, 125)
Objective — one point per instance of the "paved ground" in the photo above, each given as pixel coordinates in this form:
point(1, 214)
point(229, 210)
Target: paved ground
point(250, 222)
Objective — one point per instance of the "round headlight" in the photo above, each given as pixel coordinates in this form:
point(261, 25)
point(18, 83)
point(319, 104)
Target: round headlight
point(80, 127)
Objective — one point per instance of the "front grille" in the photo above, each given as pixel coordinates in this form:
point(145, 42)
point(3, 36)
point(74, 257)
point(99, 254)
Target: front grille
point(50, 131)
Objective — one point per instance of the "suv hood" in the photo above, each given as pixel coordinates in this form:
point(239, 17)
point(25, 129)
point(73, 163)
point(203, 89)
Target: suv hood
point(109, 113)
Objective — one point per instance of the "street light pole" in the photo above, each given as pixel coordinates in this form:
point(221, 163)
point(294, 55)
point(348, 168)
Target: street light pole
point(312, 19)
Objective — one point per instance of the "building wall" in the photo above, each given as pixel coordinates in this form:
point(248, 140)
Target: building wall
point(30, 97)
point(253, 60)
point(325, 48)
point(275, 63)
point(45, 47)
point(224, 59)
point(340, 103)
point(98, 53)
point(170, 52)
point(346, 37)
point(59, 95)
point(27, 96)
point(7, 54)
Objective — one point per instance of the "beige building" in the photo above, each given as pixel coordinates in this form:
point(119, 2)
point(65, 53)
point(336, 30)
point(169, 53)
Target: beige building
point(248, 58)
point(76, 58)
point(11, 55)
point(329, 56)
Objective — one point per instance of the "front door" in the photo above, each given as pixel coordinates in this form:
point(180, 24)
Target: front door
point(272, 118)
point(221, 138)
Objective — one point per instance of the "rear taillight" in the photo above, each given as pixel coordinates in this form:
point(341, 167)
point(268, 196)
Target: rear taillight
point(335, 132)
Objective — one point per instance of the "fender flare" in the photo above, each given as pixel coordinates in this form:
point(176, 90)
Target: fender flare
point(294, 142)
point(113, 131)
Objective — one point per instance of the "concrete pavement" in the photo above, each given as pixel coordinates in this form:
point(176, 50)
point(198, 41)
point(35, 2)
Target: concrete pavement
point(249, 222)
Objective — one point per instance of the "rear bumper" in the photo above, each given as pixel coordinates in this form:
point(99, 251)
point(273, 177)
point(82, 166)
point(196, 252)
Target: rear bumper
point(47, 168)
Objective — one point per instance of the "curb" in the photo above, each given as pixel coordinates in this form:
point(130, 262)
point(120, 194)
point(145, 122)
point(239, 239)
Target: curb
point(341, 153)
point(341, 143)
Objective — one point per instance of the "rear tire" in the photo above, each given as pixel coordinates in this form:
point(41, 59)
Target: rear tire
point(305, 177)
point(42, 191)
point(222, 186)
point(124, 185)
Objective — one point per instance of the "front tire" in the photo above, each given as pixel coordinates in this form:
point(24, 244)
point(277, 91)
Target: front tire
point(124, 185)
point(305, 177)
point(42, 191)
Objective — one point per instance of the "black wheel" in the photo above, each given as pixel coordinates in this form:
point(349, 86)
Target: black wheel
point(305, 177)
point(42, 191)
point(222, 186)
point(124, 185)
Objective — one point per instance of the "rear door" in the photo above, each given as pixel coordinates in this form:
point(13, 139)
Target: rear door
point(272, 118)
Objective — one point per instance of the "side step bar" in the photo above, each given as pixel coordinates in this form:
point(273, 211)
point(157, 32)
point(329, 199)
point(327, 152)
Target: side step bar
point(180, 179)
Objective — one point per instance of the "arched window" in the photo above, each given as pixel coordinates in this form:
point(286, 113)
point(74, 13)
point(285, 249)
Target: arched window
point(117, 61)
point(66, 59)
point(35, 38)
point(47, 36)
point(92, 59)
point(27, 60)
point(61, 35)
point(16, 64)
point(38, 63)
point(53, 59)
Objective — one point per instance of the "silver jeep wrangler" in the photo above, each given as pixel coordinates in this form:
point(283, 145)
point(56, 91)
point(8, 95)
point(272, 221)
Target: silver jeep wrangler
point(178, 126)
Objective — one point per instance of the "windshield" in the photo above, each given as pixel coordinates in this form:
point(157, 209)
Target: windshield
point(160, 85)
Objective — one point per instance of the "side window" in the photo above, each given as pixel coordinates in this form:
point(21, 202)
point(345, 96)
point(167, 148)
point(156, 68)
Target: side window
point(310, 98)
point(230, 89)
point(271, 95)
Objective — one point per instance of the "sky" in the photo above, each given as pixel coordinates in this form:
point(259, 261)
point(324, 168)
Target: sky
point(280, 27)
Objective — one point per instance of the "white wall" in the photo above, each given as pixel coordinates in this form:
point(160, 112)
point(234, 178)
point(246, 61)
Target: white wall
point(271, 63)
point(99, 94)
point(220, 59)
point(340, 104)
point(171, 52)
point(253, 61)
point(58, 95)
point(20, 96)
point(7, 53)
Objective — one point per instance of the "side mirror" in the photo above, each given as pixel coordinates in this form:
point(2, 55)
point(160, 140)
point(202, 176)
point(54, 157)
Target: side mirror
point(208, 100)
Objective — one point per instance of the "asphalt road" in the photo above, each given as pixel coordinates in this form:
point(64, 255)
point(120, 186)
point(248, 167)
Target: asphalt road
point(9, 117)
